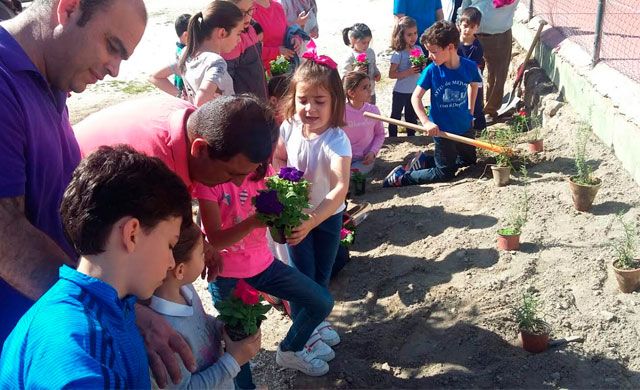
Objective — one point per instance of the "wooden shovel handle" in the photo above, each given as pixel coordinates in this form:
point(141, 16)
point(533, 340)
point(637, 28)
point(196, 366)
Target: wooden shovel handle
point(443, 134)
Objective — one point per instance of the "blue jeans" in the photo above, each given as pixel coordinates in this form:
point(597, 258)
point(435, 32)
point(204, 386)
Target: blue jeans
point(448, 157)
point(314, 256)
point(285, 282)
point(399, 102)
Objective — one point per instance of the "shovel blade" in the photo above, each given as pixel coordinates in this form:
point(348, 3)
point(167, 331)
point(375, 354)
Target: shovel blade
point(511, 104)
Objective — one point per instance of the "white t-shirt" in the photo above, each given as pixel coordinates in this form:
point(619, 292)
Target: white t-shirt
point(207, 66)
point(313, 156)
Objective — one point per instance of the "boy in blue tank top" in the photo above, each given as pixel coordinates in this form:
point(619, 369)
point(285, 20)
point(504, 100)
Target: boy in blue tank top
point(453, 84)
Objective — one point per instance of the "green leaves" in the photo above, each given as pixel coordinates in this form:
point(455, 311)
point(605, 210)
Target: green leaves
point(238, 315)
point(294, 195)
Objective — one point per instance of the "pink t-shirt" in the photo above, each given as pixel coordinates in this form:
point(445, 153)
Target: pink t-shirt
point(365, 134)
point(274, 24)
point(251, 255)
point(154, 126)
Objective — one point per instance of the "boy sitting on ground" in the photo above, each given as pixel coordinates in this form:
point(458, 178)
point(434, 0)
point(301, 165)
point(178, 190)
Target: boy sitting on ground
point(453, 83)
point(123, 213)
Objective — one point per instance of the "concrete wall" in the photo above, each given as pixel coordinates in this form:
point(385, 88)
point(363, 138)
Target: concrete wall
point(606, 99)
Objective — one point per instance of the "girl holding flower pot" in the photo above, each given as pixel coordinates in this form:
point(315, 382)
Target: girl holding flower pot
point(362, 58)
point(404, 38)
point(231, 223)
point(180, 305)
point(311, 140)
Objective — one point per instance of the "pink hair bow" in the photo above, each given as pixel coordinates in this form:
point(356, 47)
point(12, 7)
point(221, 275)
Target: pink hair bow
point(312, 54)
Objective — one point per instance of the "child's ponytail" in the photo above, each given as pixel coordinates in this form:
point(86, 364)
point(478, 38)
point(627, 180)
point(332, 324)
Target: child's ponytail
point(219, 14)
point(355, 32)
point(345, 36)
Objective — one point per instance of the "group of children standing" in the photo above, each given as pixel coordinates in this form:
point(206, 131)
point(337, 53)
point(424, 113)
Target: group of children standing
point(323, 133)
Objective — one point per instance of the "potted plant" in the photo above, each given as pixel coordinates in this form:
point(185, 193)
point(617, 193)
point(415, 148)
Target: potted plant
point(358, 181)
point(583, 185)
point(501, 171)
point(281, 206)
point(417, 59)
point(535, 142)
point(242, 311)
point(361, 63)
point(279, 66)
point(626, 266)
point(534, 332)
point(509, 235)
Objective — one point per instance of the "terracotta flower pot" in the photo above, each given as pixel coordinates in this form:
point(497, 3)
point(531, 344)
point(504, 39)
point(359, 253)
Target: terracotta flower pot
point(236, 334)
point(501, 175)
point(535, 343)
point(536, 146)
point(628, 279)
point(583, 195)
point(278, 235)
point(508, 242)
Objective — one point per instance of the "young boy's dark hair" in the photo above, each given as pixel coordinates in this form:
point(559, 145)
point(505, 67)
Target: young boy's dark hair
point(182, 23)
point(441, 33)
point(471, 15)
point(115, 182)
point(277, 86)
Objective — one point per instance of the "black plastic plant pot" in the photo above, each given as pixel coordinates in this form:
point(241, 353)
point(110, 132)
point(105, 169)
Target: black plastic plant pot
point(237, 334)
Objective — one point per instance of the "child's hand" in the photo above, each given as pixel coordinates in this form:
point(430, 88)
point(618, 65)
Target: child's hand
point(377, 76)
point(287, 53)
point(299, 233)
point(302, 18)
point(296, 41)
point(212, 261)
point(432, 129)
point(369, 158)
point(245, 349)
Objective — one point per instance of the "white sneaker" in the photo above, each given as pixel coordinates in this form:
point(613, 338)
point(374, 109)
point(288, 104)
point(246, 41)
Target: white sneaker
point(319, 348)
point(303, 361)
point(328, 334)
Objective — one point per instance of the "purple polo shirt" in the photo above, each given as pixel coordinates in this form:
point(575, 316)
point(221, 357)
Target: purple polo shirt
point(38, 153)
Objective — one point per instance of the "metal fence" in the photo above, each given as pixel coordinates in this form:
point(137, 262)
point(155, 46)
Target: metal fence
point(609, 30)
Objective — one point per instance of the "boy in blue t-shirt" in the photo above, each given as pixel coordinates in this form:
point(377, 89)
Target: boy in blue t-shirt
point(471, 48)
point(123, 212)
point(181, 25)
point(453, 83)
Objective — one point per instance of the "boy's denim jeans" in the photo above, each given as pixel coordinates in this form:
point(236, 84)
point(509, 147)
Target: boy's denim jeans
point(399, 102)
point(282, 281)
point(448, 157)
point(315, 255)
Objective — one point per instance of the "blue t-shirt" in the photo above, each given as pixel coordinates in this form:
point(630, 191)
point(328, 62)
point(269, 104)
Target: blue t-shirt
point(449, 94)
point(423, 11)
point(38, 153)
point(77, 335)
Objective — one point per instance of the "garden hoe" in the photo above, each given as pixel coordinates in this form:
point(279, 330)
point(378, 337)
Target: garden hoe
point(454, 137)
point(512, 99)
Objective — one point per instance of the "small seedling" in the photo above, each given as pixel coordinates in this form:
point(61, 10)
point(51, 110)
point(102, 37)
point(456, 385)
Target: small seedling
point(520, 209)
point(626, 246)
point(526, 315)
point(583, 170)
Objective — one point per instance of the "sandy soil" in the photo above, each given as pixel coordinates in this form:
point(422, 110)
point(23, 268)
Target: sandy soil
point(426, 300)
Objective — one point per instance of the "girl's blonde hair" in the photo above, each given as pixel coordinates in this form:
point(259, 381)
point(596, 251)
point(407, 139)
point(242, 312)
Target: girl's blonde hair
point(219, 14)
point(320, 76)
point(397, 37)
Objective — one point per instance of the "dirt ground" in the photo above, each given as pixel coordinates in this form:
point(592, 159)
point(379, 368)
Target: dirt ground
point(426, 300)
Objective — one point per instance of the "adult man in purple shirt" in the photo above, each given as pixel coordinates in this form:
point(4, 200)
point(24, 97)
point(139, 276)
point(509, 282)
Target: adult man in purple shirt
point(54, 48)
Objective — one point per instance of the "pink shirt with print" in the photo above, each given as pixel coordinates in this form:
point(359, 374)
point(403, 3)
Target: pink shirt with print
point(251, 255)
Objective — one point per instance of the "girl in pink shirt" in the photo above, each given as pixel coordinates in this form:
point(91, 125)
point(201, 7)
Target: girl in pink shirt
point(365, 134)
point(273, 21)
point(230, 223)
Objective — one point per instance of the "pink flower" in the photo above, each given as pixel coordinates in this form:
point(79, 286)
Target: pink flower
point(344, 233)
point(415, 52)
point(247, 294)
point(362, 57)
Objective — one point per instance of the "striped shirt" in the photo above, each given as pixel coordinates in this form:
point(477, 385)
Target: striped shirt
point(78, 334)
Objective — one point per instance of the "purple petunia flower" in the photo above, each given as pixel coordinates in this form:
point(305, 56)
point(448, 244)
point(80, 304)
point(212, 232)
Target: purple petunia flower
point(267, 202)
point(290, 173)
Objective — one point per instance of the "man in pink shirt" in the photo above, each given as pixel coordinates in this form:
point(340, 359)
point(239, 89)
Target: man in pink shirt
point(223, 140)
